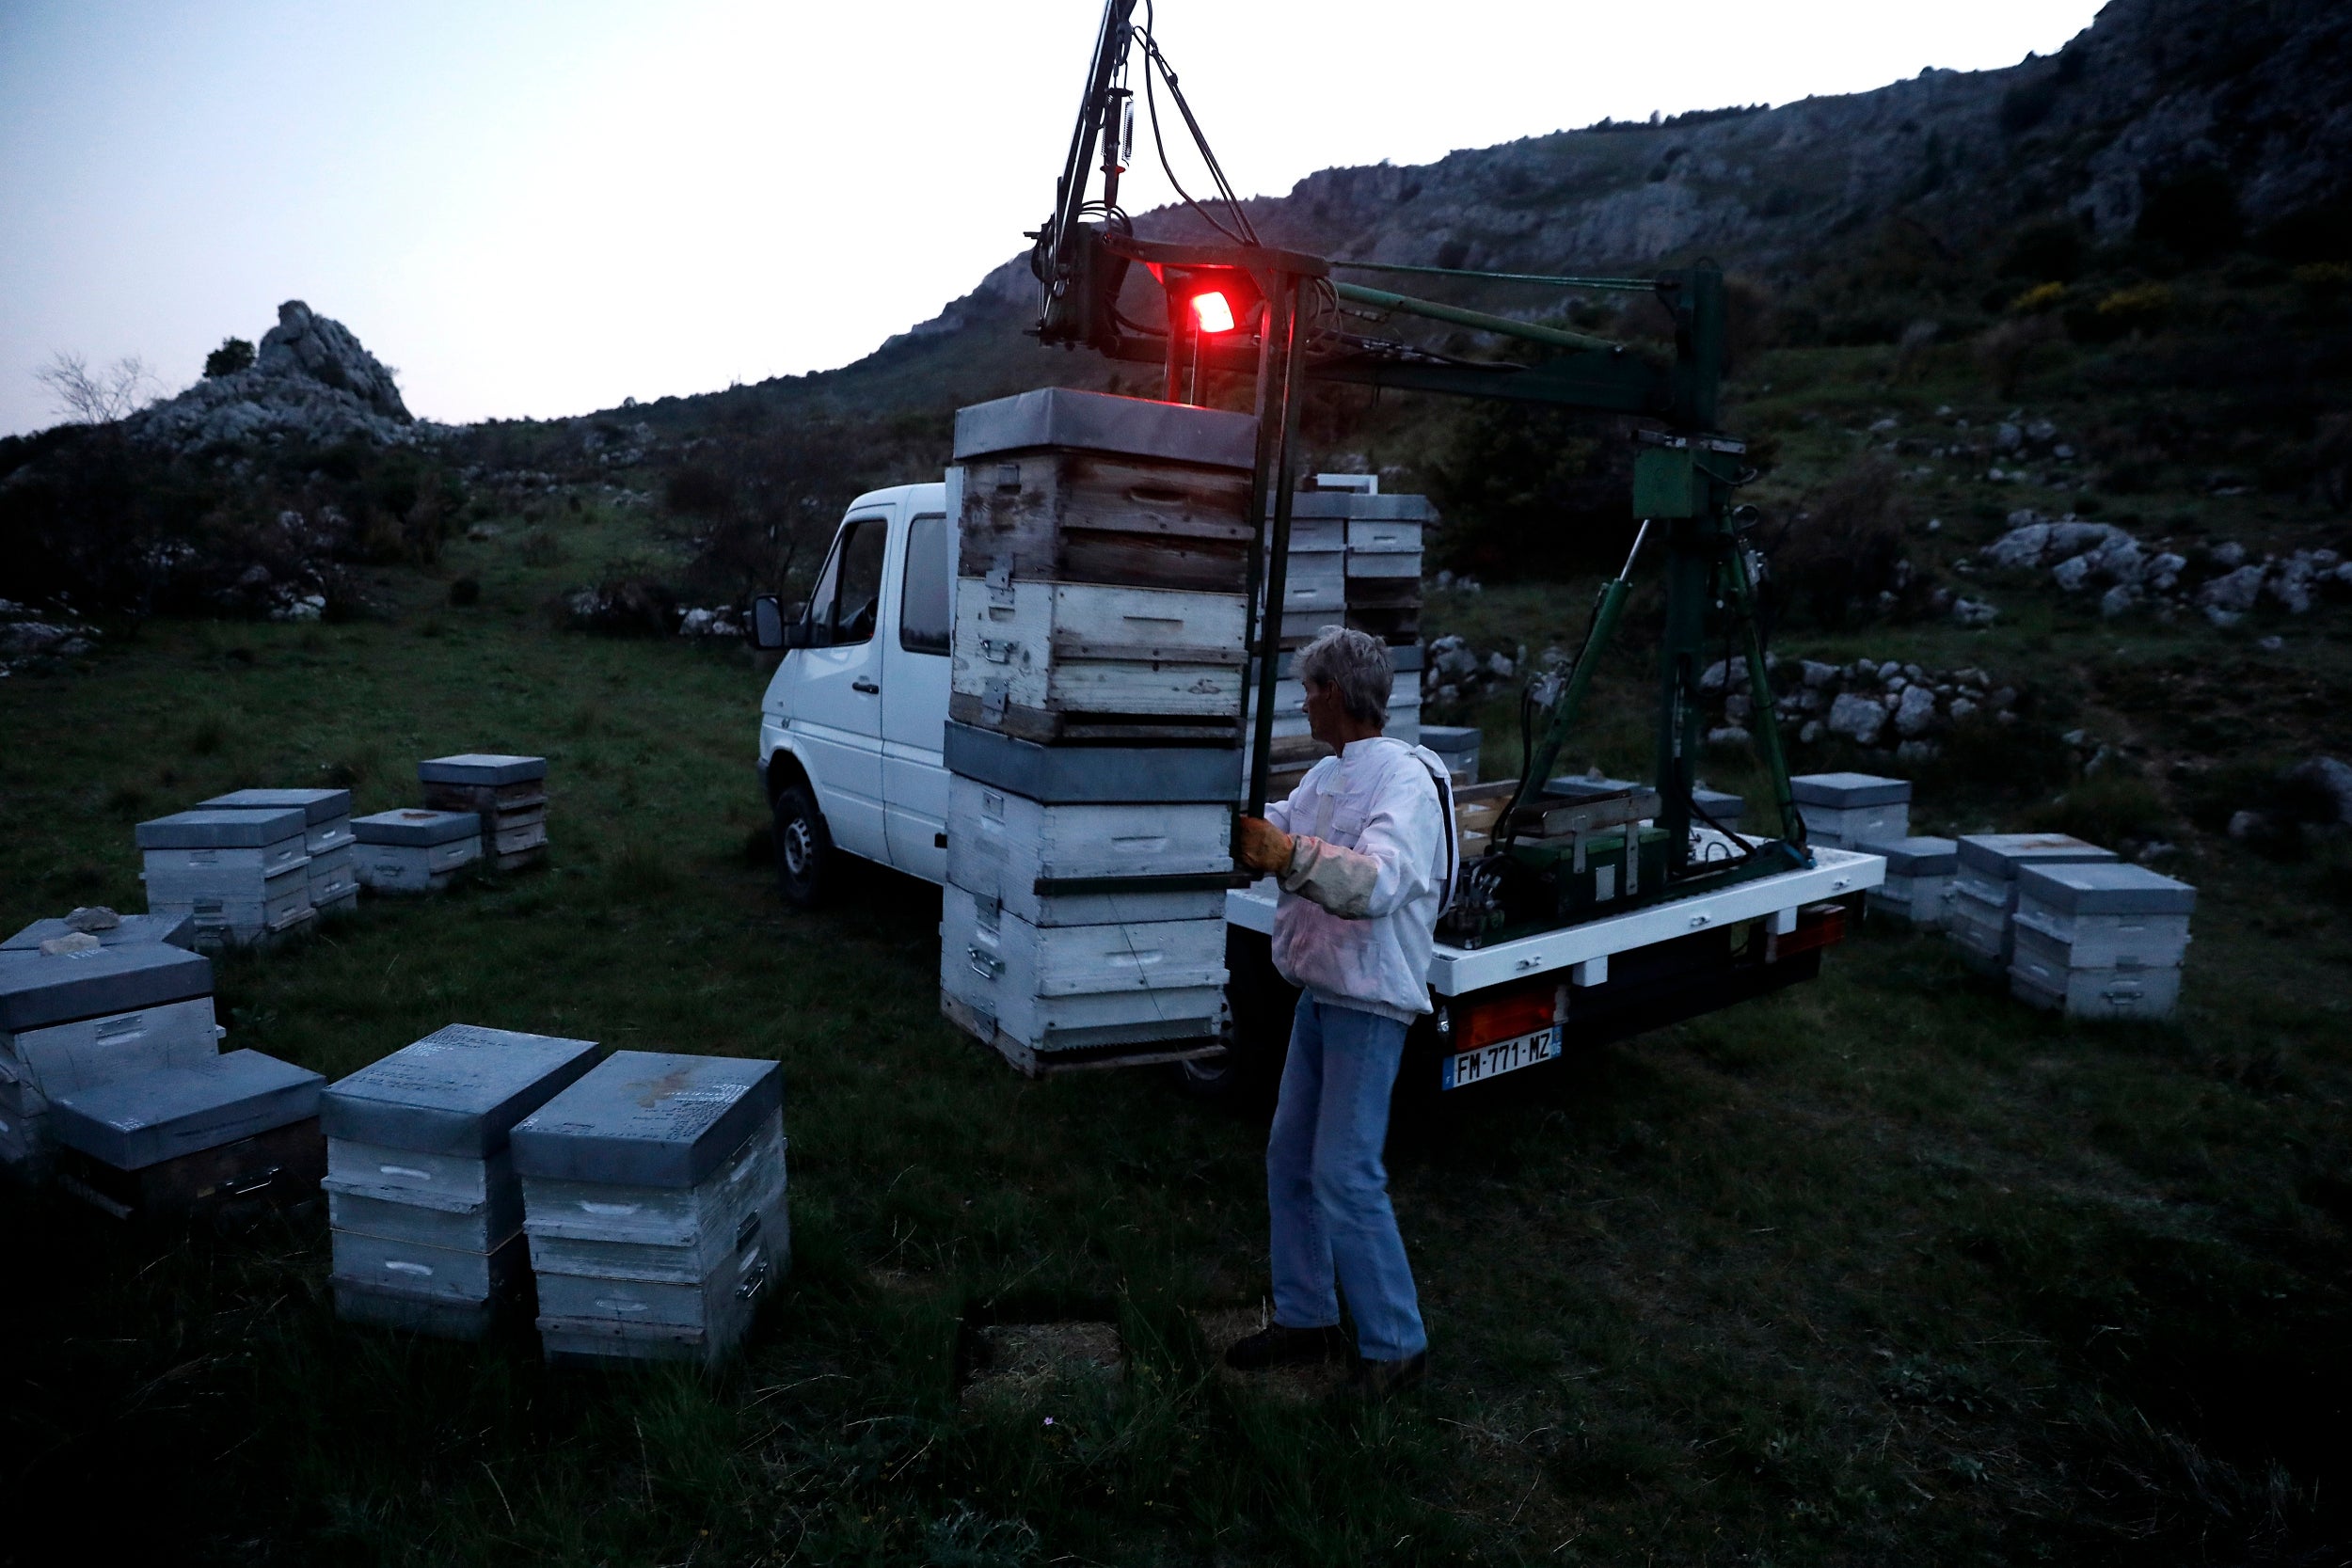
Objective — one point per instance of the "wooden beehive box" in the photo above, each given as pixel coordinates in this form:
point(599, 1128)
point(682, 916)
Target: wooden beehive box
point(1071, 486)
point(1041, 993)
point(654, 1195)
point(75, 1022)
point(508, 792)
point(243, 1127)
point(422, 1199)
point(1035, 660)
point(1077, 864)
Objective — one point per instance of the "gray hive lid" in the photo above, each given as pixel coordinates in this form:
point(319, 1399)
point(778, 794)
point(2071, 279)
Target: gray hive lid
point(1098, 421)
point(457, 1091)
point(1843, 791)
point(1916, 857)
point(1718, 802)
point(1575, 787)
point(37, 989)
point(143, 1120)
point(221, 829)
point(1094, 775)
point(1444, 738)
point(2000, 855)
point(1361, 508)
point(316, 805)
point(644, 1118)
point(481, 767)
point(415, 826)
point(178, 930)
point(2106, 888)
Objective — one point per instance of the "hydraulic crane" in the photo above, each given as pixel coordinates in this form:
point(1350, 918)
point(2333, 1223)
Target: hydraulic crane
point(1242, 307)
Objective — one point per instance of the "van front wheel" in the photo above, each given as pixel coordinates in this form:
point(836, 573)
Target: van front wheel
point(805, 853)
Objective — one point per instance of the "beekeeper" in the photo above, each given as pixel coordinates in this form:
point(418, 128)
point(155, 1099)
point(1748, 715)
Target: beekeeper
point(1363, 850)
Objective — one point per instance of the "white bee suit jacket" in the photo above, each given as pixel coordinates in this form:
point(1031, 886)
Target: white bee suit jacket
point(1370, 871)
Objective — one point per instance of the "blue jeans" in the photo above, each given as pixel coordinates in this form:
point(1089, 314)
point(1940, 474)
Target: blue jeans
point(1327, 1189)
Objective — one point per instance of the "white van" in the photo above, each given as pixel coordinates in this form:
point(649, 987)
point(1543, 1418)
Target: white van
point(851, 731)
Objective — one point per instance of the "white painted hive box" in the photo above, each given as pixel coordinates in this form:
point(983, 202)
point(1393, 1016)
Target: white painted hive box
point(1068, 988)
point(654, 1164)
point(1049, 865)
point(1091, 648)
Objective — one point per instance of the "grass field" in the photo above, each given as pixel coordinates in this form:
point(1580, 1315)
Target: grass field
point(1887, 1269)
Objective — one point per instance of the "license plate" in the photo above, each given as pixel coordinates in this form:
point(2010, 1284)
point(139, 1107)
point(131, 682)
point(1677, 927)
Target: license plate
point(1491, 1061)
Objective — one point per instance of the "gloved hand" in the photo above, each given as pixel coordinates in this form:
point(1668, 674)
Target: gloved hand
point(1260, 846)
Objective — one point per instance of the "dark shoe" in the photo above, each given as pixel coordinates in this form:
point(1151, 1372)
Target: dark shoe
point(1379, 1380)
point(1276, 1346)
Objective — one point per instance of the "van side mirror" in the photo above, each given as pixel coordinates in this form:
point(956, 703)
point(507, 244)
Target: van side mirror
point(767, 623)
point(773, 626)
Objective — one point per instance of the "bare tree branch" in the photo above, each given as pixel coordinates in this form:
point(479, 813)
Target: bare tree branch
point(95, 397)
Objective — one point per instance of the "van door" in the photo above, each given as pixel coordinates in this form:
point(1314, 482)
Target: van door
point(836, 711)
point(914, 701)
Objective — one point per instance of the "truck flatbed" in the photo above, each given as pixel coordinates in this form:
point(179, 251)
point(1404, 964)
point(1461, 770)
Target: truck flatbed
point(1585, 949)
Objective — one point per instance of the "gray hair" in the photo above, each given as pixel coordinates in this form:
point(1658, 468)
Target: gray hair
point(1358, 664)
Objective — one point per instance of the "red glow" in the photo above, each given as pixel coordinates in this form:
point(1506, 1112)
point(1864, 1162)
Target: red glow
point(1212, 311)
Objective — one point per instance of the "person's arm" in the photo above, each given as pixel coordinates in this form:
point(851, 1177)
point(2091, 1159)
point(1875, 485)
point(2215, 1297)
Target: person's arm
point(1390, 865)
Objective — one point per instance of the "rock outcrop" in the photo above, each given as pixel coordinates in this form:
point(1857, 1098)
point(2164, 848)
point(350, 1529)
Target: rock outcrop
point(312, 382)
point(2153, 92)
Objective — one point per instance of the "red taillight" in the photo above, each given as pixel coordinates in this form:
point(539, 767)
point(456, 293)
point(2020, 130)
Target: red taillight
point(1818, 925)
point(1506, 1018)
point(1211, 313)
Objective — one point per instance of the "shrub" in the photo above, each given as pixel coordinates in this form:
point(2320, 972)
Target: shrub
point(1534, 491)
point(2142, 307)
point(2194, 214)
point(2007, 351)
point(2119, 313)
point(465, 592)
point(1831, 562)
point(234, 354)
point(2046, 252)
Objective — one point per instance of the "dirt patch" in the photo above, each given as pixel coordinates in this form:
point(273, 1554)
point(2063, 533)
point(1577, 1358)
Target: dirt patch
point(1018, 1362)
point(1295, 1384)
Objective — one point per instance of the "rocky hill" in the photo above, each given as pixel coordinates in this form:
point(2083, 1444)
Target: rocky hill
point(310, 381)
point(2213, 119)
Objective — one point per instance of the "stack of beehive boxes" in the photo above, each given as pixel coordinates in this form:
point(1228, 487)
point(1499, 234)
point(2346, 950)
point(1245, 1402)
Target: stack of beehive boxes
point(654, 1197)
point(327, 837)
point(1846, 811)
point(1385, 535)
point(1980, 910)
point(1456, 746)
point(242, 876)
point(240, 1129)
point(78, 1019)
point(1101, 609)
point(508, 792)
point(2099, 940)
point(426, 1208)
point(1354, 560)
point(1918, 888)
point(414, 851)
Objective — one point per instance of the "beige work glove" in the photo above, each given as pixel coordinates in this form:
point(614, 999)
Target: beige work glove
point(1260, 846)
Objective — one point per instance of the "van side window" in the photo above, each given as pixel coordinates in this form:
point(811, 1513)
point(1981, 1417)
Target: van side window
point(849, 593)
point(923, 599)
